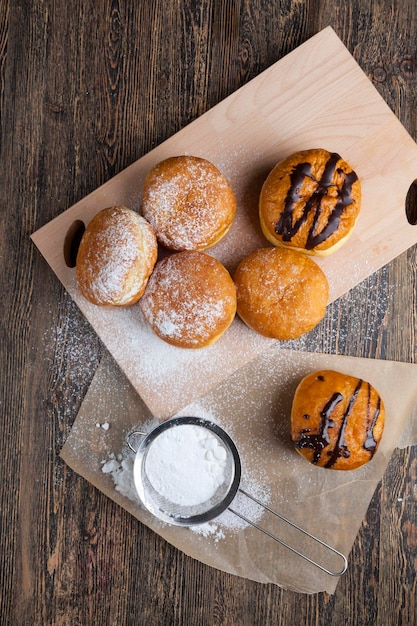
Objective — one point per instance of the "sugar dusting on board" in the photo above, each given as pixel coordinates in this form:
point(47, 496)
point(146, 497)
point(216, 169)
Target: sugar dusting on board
point(169, 377)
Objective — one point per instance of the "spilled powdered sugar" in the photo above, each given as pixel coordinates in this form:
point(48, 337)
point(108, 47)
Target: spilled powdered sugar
point(121, 469)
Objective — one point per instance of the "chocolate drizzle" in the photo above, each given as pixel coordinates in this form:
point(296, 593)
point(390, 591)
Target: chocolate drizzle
point(320, 440)
point(285, 226)
point(340, 447)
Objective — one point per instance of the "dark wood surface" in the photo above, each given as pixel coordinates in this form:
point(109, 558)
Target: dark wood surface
point(86, 88)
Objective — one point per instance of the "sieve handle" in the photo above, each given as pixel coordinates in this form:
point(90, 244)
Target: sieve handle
point(286, 545)
point(133, 434)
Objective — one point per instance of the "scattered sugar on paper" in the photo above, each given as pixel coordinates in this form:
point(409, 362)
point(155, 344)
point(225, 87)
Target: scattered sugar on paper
point(121, 469)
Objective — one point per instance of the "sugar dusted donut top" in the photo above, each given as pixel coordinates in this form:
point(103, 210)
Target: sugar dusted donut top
point(190, 299)
point(188, 202)
point(117, 253)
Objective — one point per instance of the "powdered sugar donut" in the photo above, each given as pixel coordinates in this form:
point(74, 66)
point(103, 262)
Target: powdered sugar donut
point(117, 254)
point(188, 202)
point(190, 299)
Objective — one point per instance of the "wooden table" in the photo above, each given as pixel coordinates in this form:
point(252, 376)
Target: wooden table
point(86, 89)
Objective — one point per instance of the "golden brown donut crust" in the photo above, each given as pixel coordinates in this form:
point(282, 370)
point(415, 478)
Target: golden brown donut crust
point(310, 202)
point(337, 420)
point(116, 256)
point(281, 293)
point(190, 299)
point(188, 202)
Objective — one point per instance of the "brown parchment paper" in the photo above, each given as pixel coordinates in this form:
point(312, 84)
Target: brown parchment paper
point(253, 405)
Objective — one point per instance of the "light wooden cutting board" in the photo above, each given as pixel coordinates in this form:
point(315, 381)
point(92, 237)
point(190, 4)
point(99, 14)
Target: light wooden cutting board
point(316, 96)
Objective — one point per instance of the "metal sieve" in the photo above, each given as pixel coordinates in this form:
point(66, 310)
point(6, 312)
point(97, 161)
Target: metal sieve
point(171, 512)
point(185, 515)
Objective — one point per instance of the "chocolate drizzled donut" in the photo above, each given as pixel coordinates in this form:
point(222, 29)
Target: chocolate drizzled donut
point(310, 201)
point(337, 420)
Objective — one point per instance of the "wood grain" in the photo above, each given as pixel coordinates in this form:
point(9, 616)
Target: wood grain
point(85, 90)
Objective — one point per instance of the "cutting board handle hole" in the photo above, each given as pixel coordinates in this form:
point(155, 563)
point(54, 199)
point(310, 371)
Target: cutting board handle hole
point(72, 242)
point(411, 204)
